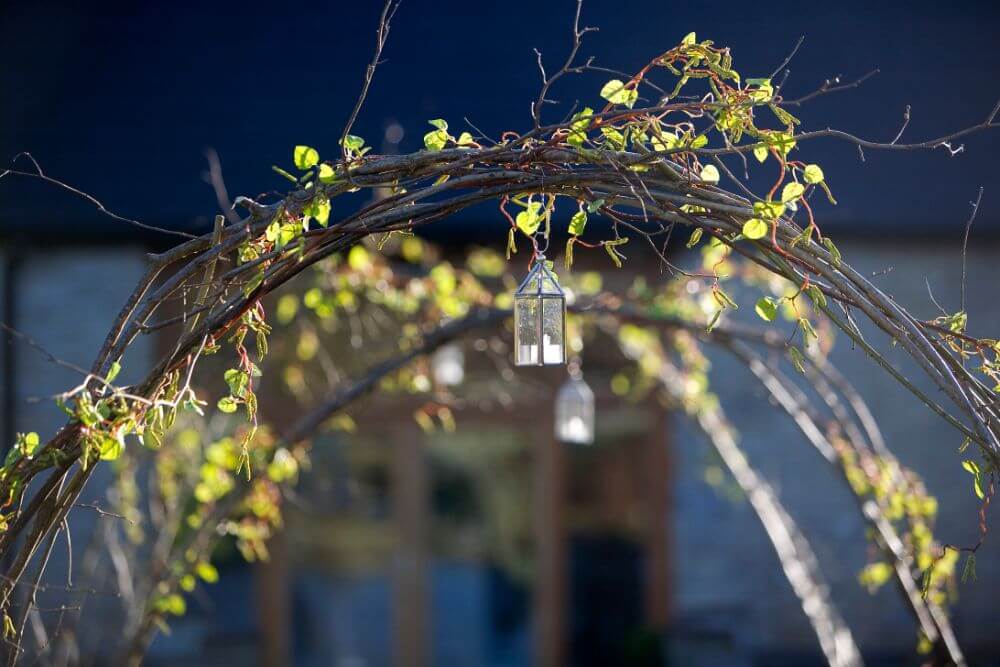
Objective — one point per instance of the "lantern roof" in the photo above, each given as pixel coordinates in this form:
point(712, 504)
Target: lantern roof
point(540, 281)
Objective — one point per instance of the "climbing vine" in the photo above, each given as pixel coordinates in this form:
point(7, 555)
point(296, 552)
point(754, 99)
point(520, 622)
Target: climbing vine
point(659, 156)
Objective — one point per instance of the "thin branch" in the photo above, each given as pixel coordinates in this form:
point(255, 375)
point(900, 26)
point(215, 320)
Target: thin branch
point(965, 241)
point(40, 175)
point(382, 35)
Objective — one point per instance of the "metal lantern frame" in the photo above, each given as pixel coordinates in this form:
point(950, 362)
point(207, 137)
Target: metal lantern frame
point(540, 286)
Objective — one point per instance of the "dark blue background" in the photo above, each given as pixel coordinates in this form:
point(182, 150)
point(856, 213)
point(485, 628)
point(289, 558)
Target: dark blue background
point(122, 98)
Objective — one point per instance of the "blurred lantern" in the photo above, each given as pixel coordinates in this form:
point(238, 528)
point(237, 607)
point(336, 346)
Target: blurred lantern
point(539, 318)
point(448, 365)
point(575, 411)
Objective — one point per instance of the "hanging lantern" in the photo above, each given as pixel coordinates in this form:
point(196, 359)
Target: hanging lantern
point(539, 318)
point(575, 412)
point(448, 365)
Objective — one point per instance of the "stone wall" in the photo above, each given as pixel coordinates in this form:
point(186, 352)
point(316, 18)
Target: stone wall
point(727, 575)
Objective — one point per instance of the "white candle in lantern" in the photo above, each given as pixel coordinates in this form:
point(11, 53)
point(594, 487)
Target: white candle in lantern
point(553, 351)
point(574, 430)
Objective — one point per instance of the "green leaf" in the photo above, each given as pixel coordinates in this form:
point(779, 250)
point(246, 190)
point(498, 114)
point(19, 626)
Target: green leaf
point(326, 174)
point(710, 174)
point(755, 228)
point(578, 127)
point(113, 371)
point(435, 140)
point(227, 404)
point(27, 443)
point(969, 571)
point(611, 249)
point(832, 249)
point(807, 329)
point(798, 361)
point(699, 142)
point(305, 157)
point(352, 142)
point(112, 448)
point(813, 174)
point(817, 296)
point(207, 572)
point(769, 209)
point(695, 237)
point(595, 206)
point(785, 117)
point(977, 483)
point(760, 152)
point(530, 218)
point(613, 138)
point(614, 91)
point(766, 308)
point(689, 39)
point(172, 604)
point(577, 223)
point(465, 139)
point(712, 322)
point(792, 191)
point(440, 124)
point(319, 208)
point(238, 382)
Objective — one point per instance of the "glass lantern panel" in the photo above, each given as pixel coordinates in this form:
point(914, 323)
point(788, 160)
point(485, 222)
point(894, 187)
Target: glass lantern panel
point(448, 365)
point(575, 413)
point(531, 286)
point(526, 319)
point(549, 286)
point(553, 315)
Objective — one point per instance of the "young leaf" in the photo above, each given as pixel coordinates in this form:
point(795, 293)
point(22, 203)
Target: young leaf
point(238, 382)
point(970, 569)
point(769, 210)
point(227, 404)
point(791, 192)
point(766, 309)
point(614, 91)
point(755, 228)
point(817, 296)
point(305, 157)
point(578, 223)
point(832, 249)
point(318, 208)
point(530, 218)
point(326, 174)
point(798, 361)
point(710, 174)
point(695, 237)
point(353, 143)
point(813, 174)
point(435, 140)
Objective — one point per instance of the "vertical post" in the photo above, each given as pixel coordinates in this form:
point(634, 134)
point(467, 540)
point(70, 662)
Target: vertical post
point(272, 581)
point(550, 599)
point(656, 494)
point(411, 607)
